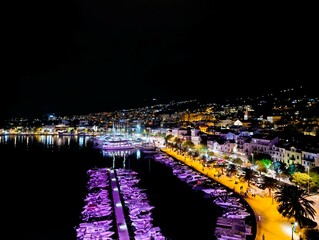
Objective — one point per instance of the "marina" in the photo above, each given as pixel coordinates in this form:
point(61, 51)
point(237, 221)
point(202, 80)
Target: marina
point(104, 214)
point(87, 205)
point(134, 213)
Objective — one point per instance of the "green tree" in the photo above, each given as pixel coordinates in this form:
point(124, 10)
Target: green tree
point(188, 144)
point(238, 161)
point(300, 179)
point(168, 138)
point(314, 182)
point(226, 157)
point(279, 166)
point(261, 156)
point(201, 148)
point(299, 167)
point(261, 166)
point(293, 203)
point(160, 134)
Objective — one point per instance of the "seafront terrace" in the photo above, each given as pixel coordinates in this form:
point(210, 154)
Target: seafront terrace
point(270, 223)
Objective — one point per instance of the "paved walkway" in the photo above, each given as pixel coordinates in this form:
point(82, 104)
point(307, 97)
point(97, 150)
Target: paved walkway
point(119, 213)
point(270, 223)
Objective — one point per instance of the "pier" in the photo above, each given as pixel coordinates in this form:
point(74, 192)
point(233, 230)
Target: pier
point(118, 209)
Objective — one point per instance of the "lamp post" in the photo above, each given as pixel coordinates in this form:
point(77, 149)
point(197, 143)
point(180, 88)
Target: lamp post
point(252, 158)
point(308, 180)
point(292, 231)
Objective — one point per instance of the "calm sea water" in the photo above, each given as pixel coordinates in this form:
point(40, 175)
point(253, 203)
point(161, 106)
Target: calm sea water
point(44, 184)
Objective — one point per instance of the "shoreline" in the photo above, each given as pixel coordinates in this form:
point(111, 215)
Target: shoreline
point(269, 223)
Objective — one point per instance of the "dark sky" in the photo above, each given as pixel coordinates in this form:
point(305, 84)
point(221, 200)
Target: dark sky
point(71, 56)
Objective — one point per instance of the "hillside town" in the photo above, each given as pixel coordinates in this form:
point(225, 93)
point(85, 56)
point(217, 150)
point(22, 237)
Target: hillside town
point(283, 125)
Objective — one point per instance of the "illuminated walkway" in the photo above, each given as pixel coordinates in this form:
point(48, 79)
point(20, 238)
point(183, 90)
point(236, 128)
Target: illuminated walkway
point(269, 221)
point(118, 209)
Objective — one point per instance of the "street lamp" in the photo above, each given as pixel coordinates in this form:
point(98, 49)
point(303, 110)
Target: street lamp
point(292, 230)
point(308, 180)
point(252, 158)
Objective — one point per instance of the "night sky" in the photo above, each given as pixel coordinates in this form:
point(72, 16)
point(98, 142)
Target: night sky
point(74, 57)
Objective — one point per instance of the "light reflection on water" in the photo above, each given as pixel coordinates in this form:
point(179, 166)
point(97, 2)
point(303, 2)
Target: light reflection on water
point(46, 140)
point(54, 182)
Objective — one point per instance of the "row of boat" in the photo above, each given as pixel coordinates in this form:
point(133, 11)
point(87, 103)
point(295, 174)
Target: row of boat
point(97, 214)
point(232, 207)
point(139, 208)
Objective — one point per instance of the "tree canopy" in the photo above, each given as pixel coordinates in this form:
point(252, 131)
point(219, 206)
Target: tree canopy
point(293, 203)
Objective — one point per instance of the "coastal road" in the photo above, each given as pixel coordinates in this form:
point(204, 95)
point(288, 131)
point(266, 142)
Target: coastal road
point(270, 222)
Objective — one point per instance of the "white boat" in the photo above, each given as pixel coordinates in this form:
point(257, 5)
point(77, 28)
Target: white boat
point(215, 191)
point(159, 156)
point(236, 214)
point(118, 144)
point(227, 202)
point(117, 140)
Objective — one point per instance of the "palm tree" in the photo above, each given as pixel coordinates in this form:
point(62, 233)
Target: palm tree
point(249, 175)
point(222, 166)
point(178, 144)
point(187, 144)
point(269, 183)
point(232, 169)
point(293, 203)
point(168, 138)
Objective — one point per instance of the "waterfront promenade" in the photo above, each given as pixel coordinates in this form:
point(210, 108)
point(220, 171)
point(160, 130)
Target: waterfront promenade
point(270, 224)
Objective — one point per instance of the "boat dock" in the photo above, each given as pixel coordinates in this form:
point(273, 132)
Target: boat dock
point(104, 211)
point(118, 209)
